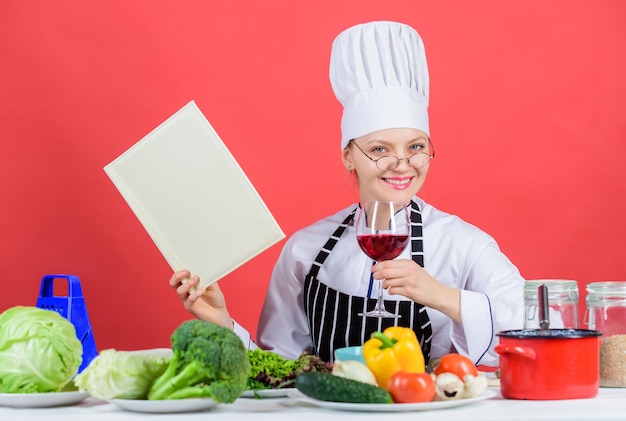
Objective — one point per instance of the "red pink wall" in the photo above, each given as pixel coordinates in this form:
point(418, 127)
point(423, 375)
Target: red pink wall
point(527, 117)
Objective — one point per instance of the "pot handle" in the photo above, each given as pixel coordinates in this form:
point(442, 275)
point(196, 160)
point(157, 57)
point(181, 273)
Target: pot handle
point(522, 351)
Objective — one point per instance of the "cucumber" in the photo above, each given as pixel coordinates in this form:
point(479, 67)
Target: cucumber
point(331, 388)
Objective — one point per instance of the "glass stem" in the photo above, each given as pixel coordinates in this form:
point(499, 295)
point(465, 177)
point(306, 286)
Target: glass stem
point(380, 302)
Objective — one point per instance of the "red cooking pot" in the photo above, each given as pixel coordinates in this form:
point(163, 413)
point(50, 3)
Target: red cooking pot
point(551, 364)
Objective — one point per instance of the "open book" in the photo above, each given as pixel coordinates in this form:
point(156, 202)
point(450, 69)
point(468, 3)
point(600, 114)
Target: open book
point(193, 198)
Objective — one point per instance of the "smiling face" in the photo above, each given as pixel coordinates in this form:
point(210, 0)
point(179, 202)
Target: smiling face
point(399, 184)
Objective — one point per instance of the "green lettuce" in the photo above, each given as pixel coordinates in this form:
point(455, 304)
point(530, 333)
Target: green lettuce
point(123, 374)
point(39, 351)
point(269, 370)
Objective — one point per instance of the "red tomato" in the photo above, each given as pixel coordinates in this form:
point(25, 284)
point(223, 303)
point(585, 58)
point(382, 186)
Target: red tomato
point(456, 364)
point(411, 387)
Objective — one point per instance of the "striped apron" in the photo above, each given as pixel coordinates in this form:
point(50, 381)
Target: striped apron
point(333, 316)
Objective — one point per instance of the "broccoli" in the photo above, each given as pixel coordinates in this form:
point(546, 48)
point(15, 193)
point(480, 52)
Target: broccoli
point(209, 360)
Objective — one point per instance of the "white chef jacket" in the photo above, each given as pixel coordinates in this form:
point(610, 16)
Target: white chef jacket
point(456, 253)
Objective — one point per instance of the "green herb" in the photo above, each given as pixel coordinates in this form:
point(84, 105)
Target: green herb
point(269, 370)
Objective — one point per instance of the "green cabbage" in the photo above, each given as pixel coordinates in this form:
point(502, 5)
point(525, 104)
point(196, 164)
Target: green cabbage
point(123, 374)
point(39, 351)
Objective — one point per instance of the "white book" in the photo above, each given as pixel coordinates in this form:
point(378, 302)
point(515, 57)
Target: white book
point(193, 198)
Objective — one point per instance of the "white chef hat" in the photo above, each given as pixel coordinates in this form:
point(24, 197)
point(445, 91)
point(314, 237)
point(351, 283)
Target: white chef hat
point(379, 74)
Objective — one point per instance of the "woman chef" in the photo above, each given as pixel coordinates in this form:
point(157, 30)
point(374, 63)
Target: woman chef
point(452, 285)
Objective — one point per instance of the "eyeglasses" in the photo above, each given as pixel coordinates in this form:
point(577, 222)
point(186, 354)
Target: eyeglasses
point(384, 163)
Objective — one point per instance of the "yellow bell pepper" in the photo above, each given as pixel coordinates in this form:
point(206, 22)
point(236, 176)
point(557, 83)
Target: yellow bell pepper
point(394, 349)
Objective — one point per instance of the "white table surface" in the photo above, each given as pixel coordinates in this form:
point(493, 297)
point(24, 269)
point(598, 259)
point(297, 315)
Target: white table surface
point(610, 404)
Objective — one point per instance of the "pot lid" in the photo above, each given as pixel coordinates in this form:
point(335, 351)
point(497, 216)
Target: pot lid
point(549, 334)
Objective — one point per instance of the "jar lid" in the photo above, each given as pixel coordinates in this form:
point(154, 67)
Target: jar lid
point(609, 290)
point(555, 286)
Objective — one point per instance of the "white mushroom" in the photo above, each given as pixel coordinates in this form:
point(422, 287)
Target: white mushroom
point(474, 385)
point(448, 387)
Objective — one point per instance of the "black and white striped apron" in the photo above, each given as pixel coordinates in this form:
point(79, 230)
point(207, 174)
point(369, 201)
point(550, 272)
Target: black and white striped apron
point(333, 317)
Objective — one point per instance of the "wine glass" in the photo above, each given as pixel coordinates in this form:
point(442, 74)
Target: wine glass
point(382, 230)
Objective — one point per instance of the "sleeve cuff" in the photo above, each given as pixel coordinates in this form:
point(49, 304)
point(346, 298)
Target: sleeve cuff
point(244, 335)
point(475, 336)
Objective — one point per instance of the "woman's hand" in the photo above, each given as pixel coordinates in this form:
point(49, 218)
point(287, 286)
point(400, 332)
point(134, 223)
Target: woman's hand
point(405, 277)
point(206, 304)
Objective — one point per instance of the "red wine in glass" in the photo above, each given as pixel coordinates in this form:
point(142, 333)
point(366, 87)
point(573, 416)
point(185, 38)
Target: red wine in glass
point(383, 246)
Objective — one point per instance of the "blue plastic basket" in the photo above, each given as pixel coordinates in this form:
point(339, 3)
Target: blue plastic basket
point(73, 308)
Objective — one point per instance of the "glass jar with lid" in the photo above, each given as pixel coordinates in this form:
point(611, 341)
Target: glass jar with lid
point(562, 300)
point(606, 312)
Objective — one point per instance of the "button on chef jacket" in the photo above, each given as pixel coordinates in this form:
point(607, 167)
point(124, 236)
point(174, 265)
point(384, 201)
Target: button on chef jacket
point(456, 253)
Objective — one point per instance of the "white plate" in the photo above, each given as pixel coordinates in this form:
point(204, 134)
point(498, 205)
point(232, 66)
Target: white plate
point(267, 393)
point(165, 406)
point(389, 407)
point(156, 352)
point(41, 400)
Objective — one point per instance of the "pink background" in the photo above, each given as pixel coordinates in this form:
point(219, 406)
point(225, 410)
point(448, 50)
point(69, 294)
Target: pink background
point(527, 118)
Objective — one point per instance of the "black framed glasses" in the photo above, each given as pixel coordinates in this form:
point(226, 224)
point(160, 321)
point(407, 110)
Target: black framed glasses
point(390, 162)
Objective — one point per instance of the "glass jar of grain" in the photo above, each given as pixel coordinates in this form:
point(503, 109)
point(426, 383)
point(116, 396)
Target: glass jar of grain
point(606, 312)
